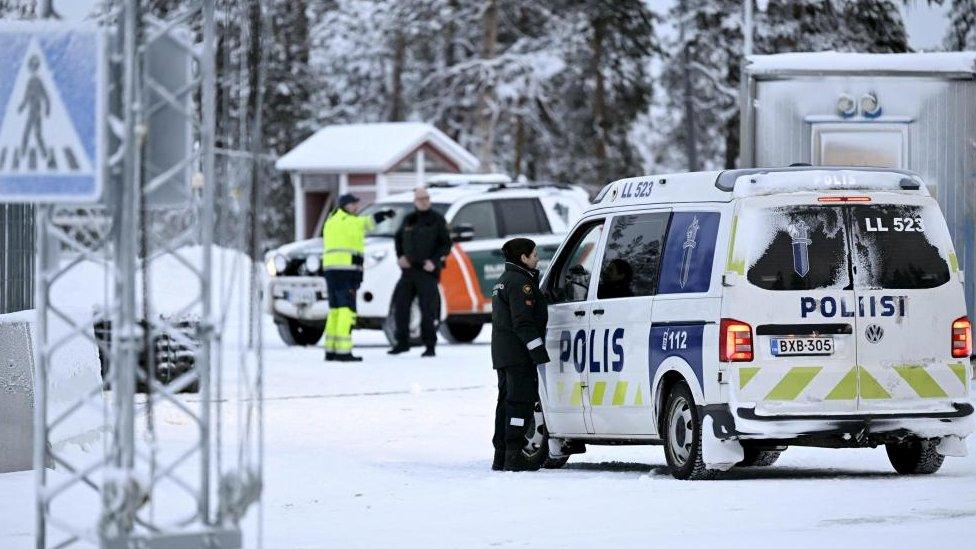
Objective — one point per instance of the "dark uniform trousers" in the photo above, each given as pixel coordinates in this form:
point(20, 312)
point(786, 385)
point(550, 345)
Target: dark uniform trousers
point(518, 391)
point(423, 285)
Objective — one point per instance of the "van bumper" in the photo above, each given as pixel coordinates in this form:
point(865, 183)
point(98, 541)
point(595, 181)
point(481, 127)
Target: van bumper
point(849, 430)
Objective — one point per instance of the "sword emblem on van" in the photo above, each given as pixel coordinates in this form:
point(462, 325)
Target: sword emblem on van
point(688, 249)
point(800, 234)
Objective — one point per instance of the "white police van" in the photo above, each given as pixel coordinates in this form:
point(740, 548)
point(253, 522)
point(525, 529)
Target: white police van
point(728, 315)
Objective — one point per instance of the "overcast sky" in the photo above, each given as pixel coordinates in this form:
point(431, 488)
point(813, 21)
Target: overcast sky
point(926, 24)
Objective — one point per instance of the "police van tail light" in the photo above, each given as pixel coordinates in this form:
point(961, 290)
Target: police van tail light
point(962, 343)
point(735, 341)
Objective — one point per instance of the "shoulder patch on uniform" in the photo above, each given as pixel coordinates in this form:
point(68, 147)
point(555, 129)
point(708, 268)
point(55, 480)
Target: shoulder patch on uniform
point(527, 289)
point(497, 288)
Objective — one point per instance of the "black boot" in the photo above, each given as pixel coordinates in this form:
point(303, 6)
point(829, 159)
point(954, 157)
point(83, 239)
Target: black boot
point(429, 352)
point(515, 460)
point(329, 355)
point(347, 357)
point(498, 463)
point(398, 348)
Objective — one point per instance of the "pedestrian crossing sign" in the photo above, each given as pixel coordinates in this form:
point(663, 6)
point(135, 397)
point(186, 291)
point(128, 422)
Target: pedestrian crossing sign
point(52, 112)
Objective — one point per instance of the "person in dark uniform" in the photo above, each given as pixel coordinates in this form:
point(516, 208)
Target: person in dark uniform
point(422, 243)
point(518, 334)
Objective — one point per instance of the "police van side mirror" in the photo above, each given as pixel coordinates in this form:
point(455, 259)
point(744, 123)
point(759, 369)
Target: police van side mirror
point(728, 279)
point(462, 232)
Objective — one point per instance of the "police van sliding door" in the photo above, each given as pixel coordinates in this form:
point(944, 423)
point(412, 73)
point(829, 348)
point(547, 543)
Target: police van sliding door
point(568, 284)
point(908, 296)
point(799, 300)
point(615, 346)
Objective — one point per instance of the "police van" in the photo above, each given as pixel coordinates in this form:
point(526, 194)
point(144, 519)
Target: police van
point(483, 211)
point(729, 315)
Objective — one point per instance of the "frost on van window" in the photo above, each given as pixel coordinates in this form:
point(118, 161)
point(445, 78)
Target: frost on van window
point(798, 248)
point(895, 247)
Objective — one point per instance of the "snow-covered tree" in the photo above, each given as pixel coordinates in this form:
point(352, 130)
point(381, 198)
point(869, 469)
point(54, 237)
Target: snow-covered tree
point(962, 26)
point(18, 9)
point(713, 39)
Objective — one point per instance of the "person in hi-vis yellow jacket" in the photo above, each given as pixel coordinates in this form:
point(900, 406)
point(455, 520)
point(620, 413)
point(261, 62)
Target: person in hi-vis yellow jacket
point(343, 237)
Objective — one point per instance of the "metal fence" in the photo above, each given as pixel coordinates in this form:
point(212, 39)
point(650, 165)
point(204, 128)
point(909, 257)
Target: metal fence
point(16, 257)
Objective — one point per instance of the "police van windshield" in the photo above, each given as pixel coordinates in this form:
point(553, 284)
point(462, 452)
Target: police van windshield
point(390, 225)
point(810, 247)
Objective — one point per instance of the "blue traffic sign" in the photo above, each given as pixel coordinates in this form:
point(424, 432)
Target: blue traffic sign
point(52, 112)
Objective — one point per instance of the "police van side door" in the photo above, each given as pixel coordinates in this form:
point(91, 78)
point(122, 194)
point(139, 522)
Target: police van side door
point(567, 287)
point(616, 342)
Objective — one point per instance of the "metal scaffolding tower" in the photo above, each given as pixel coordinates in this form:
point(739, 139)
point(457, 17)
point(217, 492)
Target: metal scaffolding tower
point(154, 485)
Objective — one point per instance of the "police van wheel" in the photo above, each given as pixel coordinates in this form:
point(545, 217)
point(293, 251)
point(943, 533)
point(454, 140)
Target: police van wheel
point(536, 450)
point(914, 457)
point(682, 436)
point(757, 457)
point(460, 332)
point(389, 326)
point(293, 332)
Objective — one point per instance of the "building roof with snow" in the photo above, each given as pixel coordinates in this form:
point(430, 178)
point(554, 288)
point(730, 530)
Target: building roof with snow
point(962, 63)
point(370, 148)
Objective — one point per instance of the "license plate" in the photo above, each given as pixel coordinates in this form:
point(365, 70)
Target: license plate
point(801, 346)
point(302, 296)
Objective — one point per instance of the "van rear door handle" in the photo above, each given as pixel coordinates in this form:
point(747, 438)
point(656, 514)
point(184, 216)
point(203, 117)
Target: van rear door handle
point(579, 313)
point(598, 311)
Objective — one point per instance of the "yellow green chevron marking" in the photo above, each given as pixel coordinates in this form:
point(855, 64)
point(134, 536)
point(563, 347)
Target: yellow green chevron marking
point(959, 369)
point(730, 264)
point(869, 387)
point(793, 383)
point(599, 390)
point(576, 397)
point(620, 393)
point(846, 389)
point(639, 399)
point(746, 374)
point(920, 380)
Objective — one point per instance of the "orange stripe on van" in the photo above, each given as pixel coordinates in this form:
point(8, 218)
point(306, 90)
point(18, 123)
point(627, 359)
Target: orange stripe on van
point(460, 299)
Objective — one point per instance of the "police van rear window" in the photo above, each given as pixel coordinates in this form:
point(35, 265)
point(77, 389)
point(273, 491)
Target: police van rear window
point(803, 248)
point(875, 246)
point(894, 247)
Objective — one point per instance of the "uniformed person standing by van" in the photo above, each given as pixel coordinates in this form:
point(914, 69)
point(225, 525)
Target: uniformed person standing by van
point(518, 333)
point(421, 244)
point(343, 237)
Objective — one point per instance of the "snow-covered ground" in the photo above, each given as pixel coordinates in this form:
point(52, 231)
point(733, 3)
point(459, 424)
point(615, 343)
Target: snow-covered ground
point(396, 452)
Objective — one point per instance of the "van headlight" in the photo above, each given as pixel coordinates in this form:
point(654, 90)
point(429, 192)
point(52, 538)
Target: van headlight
point(276, 265)
point(313, 263)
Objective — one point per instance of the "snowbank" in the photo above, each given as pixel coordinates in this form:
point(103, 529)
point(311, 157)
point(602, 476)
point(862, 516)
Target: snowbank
point(75, 373)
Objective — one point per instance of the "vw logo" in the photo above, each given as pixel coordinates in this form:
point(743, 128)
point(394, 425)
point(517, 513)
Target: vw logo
point(874, 333)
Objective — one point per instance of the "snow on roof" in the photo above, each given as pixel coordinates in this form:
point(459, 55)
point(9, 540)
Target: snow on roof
point(832, 61)
point(369, 148)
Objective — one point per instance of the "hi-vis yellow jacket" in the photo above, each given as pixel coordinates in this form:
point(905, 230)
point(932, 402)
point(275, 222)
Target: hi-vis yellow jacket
point(343, 239)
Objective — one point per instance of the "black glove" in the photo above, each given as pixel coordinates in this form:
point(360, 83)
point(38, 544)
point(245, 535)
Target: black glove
point(539, 355)
point(382, 215)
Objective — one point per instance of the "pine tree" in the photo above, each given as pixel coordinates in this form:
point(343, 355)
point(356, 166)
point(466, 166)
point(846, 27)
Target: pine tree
point(962, 26)
point(18, 9)
point(714, 40)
